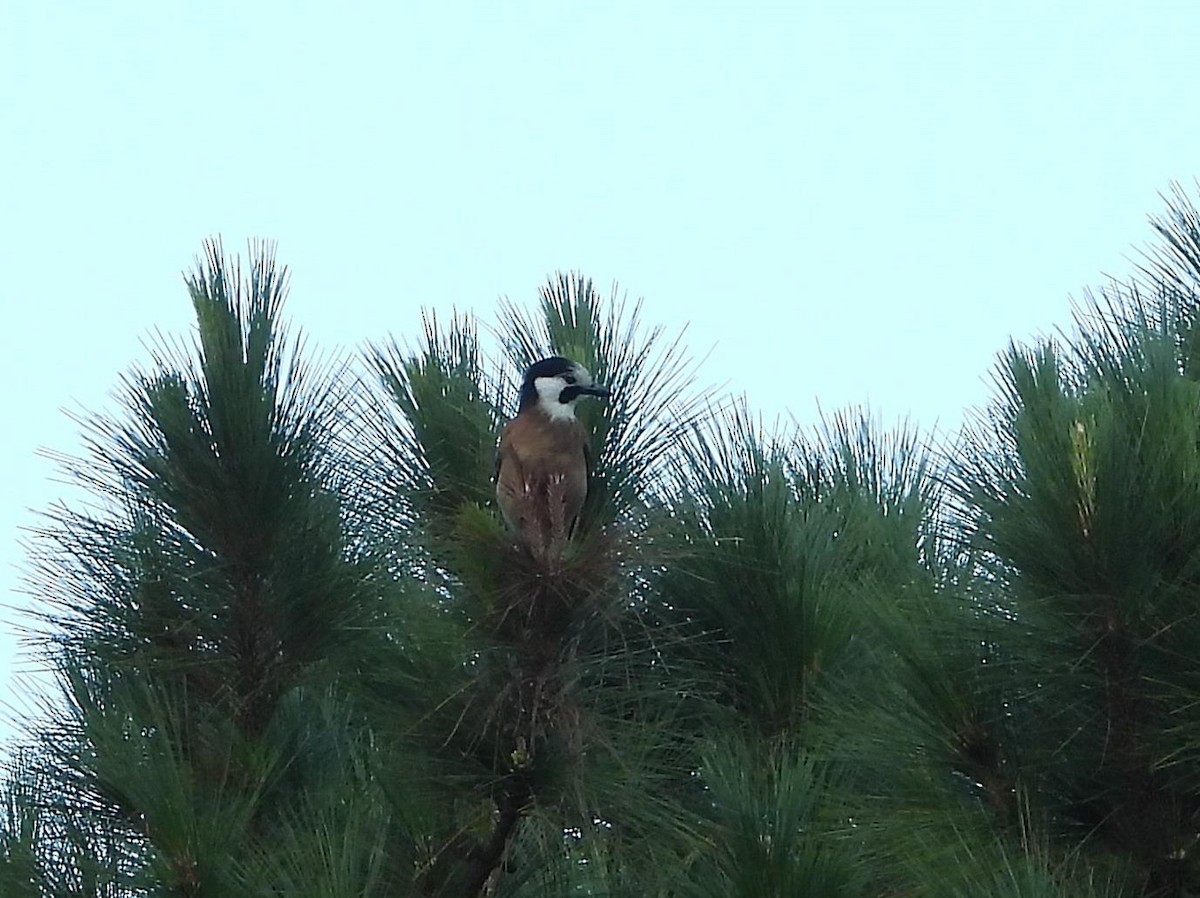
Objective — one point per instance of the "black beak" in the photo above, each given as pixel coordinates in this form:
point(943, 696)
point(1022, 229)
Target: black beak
point(595, 391)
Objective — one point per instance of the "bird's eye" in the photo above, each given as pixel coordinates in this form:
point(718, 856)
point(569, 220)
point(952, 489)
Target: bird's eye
point(569, 378)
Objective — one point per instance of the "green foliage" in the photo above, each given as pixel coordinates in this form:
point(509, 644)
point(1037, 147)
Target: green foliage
point(438, 443)
point(298, 653)
point(766, 828)
point(783, 532)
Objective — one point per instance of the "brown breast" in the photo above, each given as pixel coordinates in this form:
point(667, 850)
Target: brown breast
point(542, 478)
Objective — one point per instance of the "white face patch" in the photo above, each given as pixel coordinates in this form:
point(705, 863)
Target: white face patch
point(548, 390)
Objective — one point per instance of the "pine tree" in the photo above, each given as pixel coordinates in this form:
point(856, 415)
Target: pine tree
point(298, 654)
point(1023, 723)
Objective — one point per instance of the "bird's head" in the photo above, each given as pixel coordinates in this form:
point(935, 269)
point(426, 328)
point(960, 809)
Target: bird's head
point(552, 386)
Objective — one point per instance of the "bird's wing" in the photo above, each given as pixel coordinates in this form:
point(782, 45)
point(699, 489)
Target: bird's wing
point(588, 459)
point(504, 450)
point(510, 480)
point(576, 488)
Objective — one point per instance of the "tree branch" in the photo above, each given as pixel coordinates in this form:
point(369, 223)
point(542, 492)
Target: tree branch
point(513, 802)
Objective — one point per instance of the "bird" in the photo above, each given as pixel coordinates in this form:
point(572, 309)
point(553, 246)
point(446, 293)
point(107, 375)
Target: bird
point(543, 461)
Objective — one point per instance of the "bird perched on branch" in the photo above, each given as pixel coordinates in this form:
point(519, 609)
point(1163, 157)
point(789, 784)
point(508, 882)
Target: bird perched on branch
point(543, 463)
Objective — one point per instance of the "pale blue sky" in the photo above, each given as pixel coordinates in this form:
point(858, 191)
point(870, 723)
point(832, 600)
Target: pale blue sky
point(849, 203)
